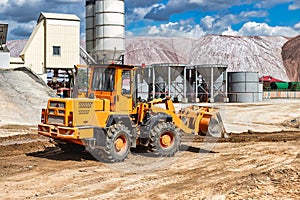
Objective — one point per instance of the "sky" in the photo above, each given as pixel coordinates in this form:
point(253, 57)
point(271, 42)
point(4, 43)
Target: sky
point(170, 18)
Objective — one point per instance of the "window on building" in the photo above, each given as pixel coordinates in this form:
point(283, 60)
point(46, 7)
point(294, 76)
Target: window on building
point(56, 50)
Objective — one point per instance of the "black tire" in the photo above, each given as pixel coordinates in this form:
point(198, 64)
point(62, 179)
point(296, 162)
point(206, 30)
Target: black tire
point(69, 147)
point(165, 139)
point(118, 143)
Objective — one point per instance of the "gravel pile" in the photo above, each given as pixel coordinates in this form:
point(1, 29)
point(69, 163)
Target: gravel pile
point(22, 96)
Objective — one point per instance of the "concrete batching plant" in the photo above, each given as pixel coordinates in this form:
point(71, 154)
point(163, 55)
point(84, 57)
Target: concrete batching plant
point(105, 30)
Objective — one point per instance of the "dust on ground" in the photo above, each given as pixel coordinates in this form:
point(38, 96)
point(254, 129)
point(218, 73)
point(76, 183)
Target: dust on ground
point(243, 166)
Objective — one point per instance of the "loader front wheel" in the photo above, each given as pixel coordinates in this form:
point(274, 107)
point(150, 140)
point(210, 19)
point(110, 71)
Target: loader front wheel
point(164, 139)
point(117, 143)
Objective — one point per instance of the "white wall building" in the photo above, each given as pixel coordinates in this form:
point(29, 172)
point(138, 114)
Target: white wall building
point(54, 43)
point(4, 52)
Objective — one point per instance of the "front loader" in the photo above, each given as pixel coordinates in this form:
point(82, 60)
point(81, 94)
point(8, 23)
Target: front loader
point(108, 120)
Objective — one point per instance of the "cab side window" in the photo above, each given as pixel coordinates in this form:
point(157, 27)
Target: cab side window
point(126, 87)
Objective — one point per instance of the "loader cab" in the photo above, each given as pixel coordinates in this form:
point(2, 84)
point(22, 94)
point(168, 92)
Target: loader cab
point(114, 83)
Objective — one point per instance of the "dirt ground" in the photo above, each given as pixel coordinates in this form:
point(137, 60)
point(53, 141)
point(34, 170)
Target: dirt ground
point(260, 159)
point(242, 166)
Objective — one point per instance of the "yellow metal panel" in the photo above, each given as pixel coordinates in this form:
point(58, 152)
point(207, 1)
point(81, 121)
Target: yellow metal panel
point(101, 118)
point(177, 121)
point(90, 112)
point(86, 112)
point(85, 133)
point(106, 105)
point(83, 112)
point(99, 104)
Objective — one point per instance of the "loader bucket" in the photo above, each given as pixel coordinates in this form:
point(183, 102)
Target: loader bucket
point(202, 120)
point(215, 126)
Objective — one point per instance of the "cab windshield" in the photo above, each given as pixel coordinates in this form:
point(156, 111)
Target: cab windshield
point(103, 79)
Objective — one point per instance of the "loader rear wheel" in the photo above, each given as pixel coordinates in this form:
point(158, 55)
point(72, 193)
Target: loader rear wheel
point(164, 139)
point(118, 143)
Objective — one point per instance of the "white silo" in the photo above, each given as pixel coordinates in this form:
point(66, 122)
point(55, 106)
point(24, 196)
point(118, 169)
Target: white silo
point(109, 30)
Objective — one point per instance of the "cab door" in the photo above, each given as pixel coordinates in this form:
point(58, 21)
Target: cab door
point(124, 91)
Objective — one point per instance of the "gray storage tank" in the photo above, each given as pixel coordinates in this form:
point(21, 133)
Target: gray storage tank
point(244, 87)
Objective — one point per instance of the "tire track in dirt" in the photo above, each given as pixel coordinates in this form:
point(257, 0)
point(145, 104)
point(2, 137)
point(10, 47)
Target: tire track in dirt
point(239, 167)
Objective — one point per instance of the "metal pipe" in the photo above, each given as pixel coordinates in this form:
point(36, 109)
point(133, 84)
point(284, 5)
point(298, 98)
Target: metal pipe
point(169, 81)
point(184, 83)
point(212, 85)
point(196, 74)
point(226, 85)
point(153, 82)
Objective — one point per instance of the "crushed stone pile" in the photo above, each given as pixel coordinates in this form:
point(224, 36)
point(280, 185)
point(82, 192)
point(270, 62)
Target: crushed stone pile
point(22, 96)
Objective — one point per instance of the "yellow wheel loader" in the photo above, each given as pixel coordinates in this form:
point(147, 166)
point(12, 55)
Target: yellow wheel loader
point(108, 120)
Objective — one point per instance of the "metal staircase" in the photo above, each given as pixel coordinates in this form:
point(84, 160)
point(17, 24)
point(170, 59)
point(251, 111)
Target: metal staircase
point(86, 57)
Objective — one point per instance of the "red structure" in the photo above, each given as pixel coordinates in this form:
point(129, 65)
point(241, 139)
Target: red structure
point(267, 80)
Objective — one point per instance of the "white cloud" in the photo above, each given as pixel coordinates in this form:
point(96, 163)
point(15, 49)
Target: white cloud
point(230, 31)
point(295, 5)
point(68, 1)
point(3, 2)
point(197, 1)
point(297, 26)
point(19, 2)
point(211, 25)
point(181, 6)
point(263, 29)
point(207, 22)
point(153, 30)
point(221, 24)
point(21, 15)
point(175, 29)
point(187, 22)
point(138, 3)
point(139, 13)
point(3, 5)
point(196, 32)
point(129, 34)
point(270, 3)
point(253, 14)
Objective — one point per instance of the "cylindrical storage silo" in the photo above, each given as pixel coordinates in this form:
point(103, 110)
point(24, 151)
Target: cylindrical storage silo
point(243, 87)
point(109, 30)
point(90, 25)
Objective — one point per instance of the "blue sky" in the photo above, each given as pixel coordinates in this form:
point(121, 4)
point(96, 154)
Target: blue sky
point(170, 18)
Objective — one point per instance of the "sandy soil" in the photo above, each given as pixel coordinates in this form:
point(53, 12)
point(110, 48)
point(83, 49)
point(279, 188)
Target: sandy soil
point(243, 166)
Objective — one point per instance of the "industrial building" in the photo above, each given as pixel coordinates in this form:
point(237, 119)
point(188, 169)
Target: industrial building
point(4, 52)
point(54, 48)
point(53, 44)
point(184, 83)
